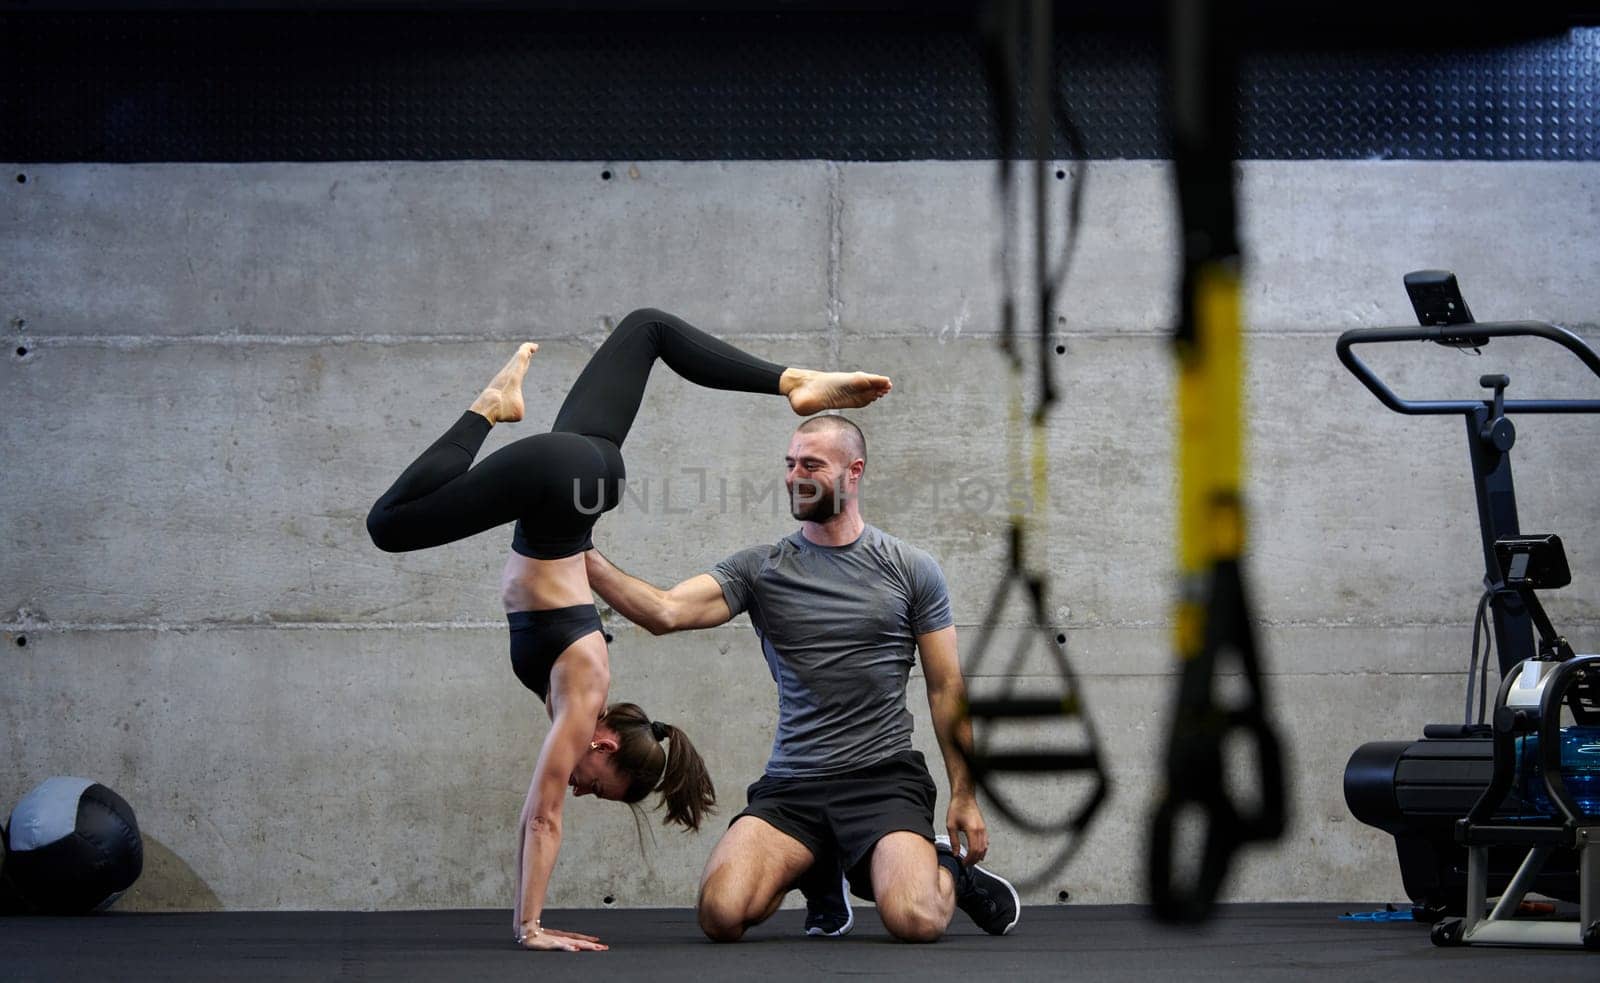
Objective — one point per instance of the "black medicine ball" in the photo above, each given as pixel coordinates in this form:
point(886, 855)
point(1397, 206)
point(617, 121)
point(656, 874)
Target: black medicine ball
point(73, 846)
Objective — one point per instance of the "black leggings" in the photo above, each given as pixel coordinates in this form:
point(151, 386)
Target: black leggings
point(555, 485)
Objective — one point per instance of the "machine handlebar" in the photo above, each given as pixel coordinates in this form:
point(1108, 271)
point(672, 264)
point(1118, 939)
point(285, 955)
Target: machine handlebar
point(1466, 335)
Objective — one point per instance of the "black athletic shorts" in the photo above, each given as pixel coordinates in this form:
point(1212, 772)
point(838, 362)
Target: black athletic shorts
point(846, 815)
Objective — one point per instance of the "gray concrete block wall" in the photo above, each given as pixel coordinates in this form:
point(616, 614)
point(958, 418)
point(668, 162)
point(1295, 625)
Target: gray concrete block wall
point(225, 365)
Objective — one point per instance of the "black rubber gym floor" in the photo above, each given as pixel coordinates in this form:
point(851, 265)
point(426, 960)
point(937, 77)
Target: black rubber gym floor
point(1089, 943)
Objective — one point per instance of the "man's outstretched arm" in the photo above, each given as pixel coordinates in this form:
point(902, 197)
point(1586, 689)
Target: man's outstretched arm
point(947, 695)
point(695, 603)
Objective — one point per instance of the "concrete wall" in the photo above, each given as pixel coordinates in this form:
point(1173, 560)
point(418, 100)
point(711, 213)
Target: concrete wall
point(216, 369)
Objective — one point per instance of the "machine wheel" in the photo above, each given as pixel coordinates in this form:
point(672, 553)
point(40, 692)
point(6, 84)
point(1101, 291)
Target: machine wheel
point(1591, 937)
point(1447, 932)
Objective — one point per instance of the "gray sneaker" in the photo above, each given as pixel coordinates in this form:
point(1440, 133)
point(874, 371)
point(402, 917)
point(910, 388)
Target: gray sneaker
point(987, 898)
point(828, 911)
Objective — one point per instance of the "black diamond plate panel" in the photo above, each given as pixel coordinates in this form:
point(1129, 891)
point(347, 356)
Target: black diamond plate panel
point(306, 85)
point(1530, 100)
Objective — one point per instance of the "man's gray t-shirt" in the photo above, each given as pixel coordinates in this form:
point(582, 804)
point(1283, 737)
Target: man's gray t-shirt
point(839, 627)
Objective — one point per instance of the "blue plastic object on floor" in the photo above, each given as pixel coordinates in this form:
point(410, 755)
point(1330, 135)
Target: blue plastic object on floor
point(1388, 913)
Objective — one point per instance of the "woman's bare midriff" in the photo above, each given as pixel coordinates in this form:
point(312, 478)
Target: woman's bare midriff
point(527, 584)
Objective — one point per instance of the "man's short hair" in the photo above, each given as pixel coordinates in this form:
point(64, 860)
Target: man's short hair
point(855, 442)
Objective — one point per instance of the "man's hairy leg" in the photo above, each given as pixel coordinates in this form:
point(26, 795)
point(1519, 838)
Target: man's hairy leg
point(916, 896)
point(746, 877)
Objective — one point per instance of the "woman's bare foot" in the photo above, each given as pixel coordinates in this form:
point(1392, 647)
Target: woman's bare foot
point(812, 392)
point(501, 399)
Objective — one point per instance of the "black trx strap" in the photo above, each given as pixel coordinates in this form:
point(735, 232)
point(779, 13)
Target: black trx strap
point(1213, 621)
point(1065, 702)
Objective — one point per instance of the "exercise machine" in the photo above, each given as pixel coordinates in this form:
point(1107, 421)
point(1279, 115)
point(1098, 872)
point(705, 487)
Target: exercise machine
point(1488, 806)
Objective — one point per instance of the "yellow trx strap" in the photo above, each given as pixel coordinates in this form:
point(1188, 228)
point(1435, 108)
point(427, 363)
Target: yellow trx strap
point(1213, 620)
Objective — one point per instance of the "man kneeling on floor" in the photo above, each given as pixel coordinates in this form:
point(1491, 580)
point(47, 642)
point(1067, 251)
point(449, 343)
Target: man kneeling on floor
point(839, 607)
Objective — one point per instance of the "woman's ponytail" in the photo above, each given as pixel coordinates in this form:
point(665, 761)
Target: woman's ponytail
point(685, 783)
point(659, 757)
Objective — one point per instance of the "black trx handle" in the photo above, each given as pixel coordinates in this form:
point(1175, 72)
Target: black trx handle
point(1066, 704)
point(1196, 774)
point(1213, 620)
point(985, 764)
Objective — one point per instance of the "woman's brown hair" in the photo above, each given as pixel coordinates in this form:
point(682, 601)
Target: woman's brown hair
point(657, 757)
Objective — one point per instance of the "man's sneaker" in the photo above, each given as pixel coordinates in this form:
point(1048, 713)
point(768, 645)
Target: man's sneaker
point(828, 911)
point(988, 899)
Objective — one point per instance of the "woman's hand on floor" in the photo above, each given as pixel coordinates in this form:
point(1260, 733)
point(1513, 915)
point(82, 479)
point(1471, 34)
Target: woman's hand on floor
point(555, 939)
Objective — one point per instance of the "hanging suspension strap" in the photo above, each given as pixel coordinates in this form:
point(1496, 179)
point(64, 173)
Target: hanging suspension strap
point(1213, 622)
point(1065, 701)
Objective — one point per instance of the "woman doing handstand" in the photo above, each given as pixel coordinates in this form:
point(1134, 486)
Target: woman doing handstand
point(554, 486)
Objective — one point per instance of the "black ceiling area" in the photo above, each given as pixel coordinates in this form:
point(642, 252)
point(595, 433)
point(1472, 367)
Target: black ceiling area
point(884, 81)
